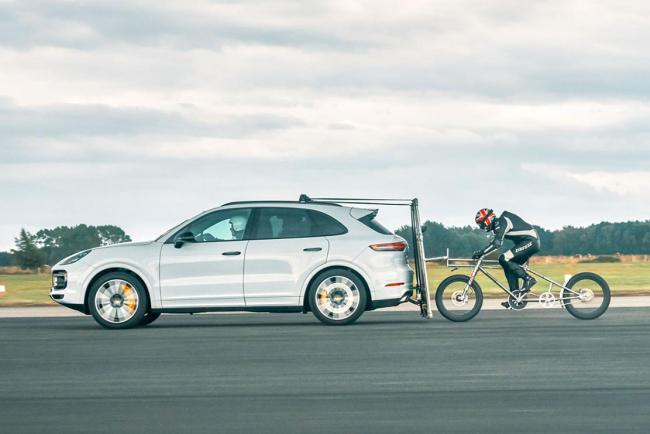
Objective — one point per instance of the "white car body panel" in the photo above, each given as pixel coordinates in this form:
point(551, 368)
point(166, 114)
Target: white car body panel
point(276, 269)
point(200, 275)
point(267, 273)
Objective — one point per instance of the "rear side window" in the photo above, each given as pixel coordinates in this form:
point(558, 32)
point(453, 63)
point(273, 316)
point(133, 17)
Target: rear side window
point(273, 223)
point(276, 223)
point(370, 221)
point(324, 225)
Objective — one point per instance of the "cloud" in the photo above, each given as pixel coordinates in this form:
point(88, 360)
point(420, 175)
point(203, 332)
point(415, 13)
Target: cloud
point(99, 120)
point(623, 184)
point(205, 25)
point(166, 108)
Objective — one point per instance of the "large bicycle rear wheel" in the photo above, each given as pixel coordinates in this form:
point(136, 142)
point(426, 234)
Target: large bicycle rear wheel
point(589, 296)
point(452, 304)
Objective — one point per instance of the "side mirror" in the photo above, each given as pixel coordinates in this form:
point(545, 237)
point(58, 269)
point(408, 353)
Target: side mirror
point(184, 237)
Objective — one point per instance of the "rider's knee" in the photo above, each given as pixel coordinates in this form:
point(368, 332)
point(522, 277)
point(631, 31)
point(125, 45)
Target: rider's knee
point(505, 258)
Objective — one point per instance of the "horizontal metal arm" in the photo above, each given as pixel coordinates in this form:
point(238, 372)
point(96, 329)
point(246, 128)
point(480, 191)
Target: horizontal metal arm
point(470, 263)
point(365, 201)
point(437, 259)
point(353, 199)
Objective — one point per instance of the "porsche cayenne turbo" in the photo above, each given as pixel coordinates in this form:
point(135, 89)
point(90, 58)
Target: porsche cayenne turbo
point(277, 256)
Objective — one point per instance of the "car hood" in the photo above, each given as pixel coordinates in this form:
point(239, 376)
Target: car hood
point(130, 244)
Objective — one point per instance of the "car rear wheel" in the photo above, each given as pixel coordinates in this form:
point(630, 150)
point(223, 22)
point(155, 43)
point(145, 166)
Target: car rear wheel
point(118, 301)
point(337, 297)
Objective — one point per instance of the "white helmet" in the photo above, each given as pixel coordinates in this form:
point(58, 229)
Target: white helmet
point(238, 223)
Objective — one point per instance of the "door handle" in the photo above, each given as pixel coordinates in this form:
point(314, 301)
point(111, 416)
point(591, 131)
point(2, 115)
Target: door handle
point(235, 253)
point(312, 249)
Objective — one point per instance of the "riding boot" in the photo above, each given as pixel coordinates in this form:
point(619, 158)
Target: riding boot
point(529, 282)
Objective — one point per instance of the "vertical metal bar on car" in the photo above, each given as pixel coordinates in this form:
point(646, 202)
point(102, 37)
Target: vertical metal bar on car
point(420, 262)
point(418, 251)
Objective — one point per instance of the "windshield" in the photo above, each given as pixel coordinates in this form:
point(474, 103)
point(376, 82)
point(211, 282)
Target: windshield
point(172, 230)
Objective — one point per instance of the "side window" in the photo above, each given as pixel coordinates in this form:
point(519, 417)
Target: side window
point(273, 223)
point(225, 225)
point(324, 225)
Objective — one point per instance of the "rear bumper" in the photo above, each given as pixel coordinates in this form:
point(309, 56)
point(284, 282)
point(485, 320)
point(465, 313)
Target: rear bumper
point(380, 304)
point(388, 272)
point(392, 284)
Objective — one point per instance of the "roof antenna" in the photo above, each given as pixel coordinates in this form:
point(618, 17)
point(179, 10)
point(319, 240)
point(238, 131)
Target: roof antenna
point(304, 199)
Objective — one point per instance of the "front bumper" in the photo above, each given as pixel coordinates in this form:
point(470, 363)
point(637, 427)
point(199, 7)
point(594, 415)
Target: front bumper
point(78, 307)
point(72, 294)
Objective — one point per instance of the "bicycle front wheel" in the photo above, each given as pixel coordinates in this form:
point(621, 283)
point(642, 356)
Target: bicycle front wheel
point(456, 304)
point(589, 296)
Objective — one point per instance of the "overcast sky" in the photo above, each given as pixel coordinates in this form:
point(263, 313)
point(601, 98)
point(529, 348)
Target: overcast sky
point(142, 114)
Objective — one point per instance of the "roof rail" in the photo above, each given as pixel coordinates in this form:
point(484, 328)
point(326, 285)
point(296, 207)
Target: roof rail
point(308, 200)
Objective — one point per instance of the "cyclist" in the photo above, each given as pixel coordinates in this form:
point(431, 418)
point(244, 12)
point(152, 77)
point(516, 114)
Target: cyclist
point(511, 227)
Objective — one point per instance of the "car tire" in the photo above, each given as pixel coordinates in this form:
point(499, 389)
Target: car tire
point(118, 300)
point(149, 317)
point(337, 297)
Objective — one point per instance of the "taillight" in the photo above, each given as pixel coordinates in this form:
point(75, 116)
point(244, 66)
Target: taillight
point(398, 246)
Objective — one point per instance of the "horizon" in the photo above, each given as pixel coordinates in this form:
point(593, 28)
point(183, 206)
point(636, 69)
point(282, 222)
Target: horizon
point(394, 229)
point(109, 118)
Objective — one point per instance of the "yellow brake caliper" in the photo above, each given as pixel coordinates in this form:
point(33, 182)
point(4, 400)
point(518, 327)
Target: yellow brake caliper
point(129, 297)
point(322, 297)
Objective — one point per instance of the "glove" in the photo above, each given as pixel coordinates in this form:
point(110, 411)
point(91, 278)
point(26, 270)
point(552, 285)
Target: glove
point(477, 254)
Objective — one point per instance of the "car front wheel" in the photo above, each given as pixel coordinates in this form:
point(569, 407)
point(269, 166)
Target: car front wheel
point(118, 301)
point(337, 297)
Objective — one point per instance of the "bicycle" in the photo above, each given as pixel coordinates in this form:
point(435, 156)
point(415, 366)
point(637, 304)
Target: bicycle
point(459, 297)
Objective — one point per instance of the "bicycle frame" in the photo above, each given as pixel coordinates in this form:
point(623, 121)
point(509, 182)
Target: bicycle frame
point(479, 267)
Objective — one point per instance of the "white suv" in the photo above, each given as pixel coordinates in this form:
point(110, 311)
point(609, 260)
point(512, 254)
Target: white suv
point(300, 256)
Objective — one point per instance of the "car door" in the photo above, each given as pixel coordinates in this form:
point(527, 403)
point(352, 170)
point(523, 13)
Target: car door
point(206, 272)
point(280, 255)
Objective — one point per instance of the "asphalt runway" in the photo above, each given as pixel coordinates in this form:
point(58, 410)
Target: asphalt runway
point(504, 372)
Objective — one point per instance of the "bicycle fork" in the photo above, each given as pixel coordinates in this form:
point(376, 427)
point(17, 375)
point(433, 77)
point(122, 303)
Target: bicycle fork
point(472, 276)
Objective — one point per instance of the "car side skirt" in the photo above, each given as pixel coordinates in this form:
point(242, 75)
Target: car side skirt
point(268, 309)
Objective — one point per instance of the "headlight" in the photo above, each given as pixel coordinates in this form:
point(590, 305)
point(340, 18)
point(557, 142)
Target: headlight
point(74, 258)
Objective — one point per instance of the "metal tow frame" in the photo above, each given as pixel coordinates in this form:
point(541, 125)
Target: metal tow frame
point(422, 285)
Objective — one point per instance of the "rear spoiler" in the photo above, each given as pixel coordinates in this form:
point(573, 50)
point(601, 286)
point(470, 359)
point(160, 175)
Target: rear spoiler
point(359, 213)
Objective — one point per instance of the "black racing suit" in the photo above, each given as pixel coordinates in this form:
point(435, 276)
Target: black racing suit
point(510, 226)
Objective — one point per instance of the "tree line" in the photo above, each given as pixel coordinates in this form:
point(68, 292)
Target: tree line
point(632, 238)
point(49, 246)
